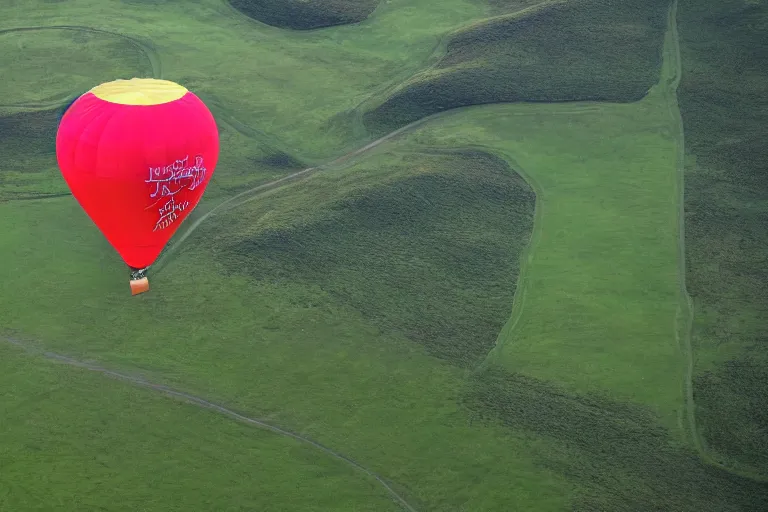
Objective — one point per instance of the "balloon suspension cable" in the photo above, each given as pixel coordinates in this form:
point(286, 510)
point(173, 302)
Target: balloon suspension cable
point(138, 273)
point(139, 281)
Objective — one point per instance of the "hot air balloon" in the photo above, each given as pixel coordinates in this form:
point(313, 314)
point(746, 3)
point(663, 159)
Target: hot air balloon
point(137, 155)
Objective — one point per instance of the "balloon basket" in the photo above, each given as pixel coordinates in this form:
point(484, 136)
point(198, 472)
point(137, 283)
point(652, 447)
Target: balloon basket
point(139, 286)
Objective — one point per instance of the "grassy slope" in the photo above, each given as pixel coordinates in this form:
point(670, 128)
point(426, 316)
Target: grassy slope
point(83, 59)
point(27, 134)
point(505, 6)
point(578, 50)
point(597, 308)
point(132, 450)
point(285, 83)
point(284, 350)
point(615, 452)
point(305, 15)
point(28, 155)
point(415, 228)
point(725, 113)
point(27, 147)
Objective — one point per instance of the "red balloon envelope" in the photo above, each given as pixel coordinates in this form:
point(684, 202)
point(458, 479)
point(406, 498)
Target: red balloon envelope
point(137, 155)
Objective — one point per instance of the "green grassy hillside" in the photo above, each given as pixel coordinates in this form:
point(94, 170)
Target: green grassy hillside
point(279, 349)
point(596, 309)
point(84, 57)
point(75, 440)
point(28, 155)
point(306, 14)
point(725, 111)
point(614, 451)
point(285, 85)
point(425, 245)
point(603, 50)
point(35, 88)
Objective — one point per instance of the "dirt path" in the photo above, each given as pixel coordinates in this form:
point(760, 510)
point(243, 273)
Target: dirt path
point(203, 403)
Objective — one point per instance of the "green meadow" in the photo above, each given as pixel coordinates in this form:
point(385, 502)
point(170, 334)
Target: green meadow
point(73, 440)
point(722, 100)
point(487, 310)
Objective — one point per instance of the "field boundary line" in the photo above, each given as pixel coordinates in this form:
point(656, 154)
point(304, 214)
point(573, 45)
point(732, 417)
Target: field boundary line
point(685, 311)
point(526, 257)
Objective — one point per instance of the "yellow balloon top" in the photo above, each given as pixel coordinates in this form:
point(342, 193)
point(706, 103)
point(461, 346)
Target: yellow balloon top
point(139, 91)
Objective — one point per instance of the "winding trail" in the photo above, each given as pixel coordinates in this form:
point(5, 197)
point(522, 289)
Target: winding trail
point(206, 404)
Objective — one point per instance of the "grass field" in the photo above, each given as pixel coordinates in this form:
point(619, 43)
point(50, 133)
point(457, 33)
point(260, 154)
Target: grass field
point(486, 310)
point(597, 306)
point(412, 226)
point(603, 50)
point(288, 84)
point(283, 351)
point(27, 135)
point(74, 441)
point(726, 121)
